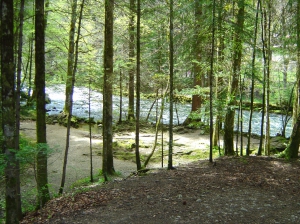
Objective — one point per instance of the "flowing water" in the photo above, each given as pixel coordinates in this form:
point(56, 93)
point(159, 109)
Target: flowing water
point(181, 111)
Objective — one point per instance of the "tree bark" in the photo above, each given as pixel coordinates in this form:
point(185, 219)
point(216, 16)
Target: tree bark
point(196, 99)
point(107, 165)
point(131, 62)
point(18, 93)
point(219, 80)
point(211, 125)
point(171, 61)
point(8, 110)
point(138, 86)
point(252, 79)
point(42, 173)
point(69, 86)
point(291, 151)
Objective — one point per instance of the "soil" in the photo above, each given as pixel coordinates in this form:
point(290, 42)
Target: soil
point(230, 190)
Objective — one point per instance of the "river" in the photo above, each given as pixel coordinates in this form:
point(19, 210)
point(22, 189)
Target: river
point(81, 99)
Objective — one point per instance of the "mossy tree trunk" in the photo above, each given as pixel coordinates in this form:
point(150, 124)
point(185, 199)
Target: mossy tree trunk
point(8, 110)
point(291, 151)
point(18, 93)
point(107, 165)
point(131, 62)
point(42, 173)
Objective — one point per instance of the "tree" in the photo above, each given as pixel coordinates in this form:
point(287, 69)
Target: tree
point(198, 55)
point(291, 151)
point(69, 81)
point(18, 94)
point(252, 78)
point(171, 58)
point(138, 86)
point(131, 61)
point(211, 124)
point(233, 88)
point(41, 160)
point(107, 165)
point(72, 66)
point(8, 110)
point(197, 99)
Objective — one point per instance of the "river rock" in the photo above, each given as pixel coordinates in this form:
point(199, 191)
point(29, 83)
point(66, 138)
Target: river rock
point(278, 144)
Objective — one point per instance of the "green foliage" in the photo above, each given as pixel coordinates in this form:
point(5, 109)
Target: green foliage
point(2, 167)
point(29, 200)
point(81, 182)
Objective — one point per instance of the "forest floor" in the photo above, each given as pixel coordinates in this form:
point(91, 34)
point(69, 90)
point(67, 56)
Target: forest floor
point(231, 190)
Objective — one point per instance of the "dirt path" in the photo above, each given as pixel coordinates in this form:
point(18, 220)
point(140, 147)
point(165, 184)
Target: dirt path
point(78, 166)
point(236, 190)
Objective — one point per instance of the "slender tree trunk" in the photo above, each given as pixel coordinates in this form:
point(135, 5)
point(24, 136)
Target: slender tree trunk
point(237, 56)
point(211, 118)
point(121, 96)
point(269, 55)
point(90, 134)
point(138, 86)
point(263, 30)
point(69, 90)
point(73, 68)
point(8, 110)
point(70, 57)
point(219, 80)
point(171, 58)
point(108, 165)
point(42, 173)
point(152, 105)
point(252, 79)
point(18, 93)
point(157, 127)
point(285, 50)
point(30, 67)
point(131, 61)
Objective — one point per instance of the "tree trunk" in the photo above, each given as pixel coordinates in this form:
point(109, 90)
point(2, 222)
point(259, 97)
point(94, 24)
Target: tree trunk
point(197, 54)
point(291, 151)
point(121, 95)
point(157, 127)
point(42, 173)
point(73, 68)
point(8, 110)
point(219, 80)
point(211, 118)
point(138, 86)
point(237, 56)
point(252, 79)
point(107, 165)
point(269, 59)
point(69, 86)
point(264, 51)
point(18, 93)
point(131, 62)
point(196, 99)
point(90, 135)
point(171, 61)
